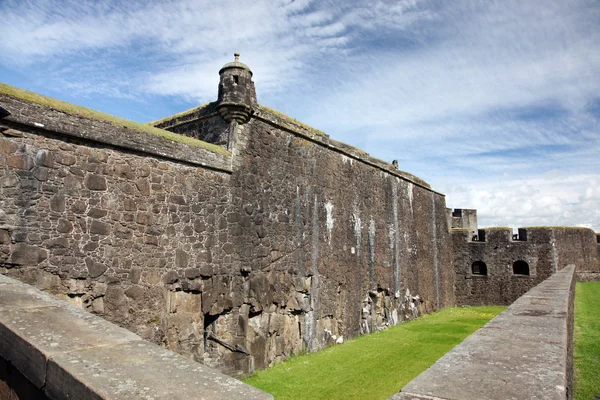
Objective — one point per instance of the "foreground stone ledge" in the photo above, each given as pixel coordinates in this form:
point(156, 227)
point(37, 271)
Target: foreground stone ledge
point(68, 353)
point(523, 353)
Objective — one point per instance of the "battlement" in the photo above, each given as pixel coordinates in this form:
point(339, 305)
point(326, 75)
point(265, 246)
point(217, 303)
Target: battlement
point(462, 218)
point(496, 266)
point(536, 234)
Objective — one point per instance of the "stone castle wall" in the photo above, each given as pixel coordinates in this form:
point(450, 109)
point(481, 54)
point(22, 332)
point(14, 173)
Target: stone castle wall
point(344, 248)
point(544, 249)
point(236, 260)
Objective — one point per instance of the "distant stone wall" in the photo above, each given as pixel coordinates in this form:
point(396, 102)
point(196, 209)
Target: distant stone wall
point(545, 250)
point(460, 218)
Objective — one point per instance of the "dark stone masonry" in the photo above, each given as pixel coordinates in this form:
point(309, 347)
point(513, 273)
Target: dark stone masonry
point(279, 240)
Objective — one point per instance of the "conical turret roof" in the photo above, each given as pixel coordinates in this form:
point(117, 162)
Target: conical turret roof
point(235, 64)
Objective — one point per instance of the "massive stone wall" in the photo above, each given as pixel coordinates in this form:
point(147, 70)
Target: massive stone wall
point(339, 241)
point(135, 238)
point(294, 241)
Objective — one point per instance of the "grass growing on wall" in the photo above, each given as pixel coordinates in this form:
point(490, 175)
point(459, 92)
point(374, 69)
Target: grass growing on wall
point(373, 366)
point(100, 116)
point(587, 340)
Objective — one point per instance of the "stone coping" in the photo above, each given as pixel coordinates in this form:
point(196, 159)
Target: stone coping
point(38, 118)
point(274, 118)
point(69, 353)
point(523, 353)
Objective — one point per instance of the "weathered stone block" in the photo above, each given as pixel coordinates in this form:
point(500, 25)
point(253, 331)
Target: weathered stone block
point(64, 226)
point(73, 182)
point(65, 158)
point(122, 232)
point(135, 275)
point(143, 218)
point(90, 246)
point(129, 204)
point(192, 273)
point(199, 225)
point(170, 277)
point(177, 200)
point(4, 236)
point(204, 256)
point(95, 269)
point(95, 182)
point(143, 185)
point(41, 174)
point(181, 258)
point(61, 242)
point(134, 292)
point(228, 248)
point(261, 231)
point(12, 132)
point(10, 180)
point(124, 171)
point(27, 255)
point(79, 207)
point(115, 303)
point(44, 158)
point(20, 161)
point(100, 228)
point(233, 217)
point(97, 212)
point(7, 146)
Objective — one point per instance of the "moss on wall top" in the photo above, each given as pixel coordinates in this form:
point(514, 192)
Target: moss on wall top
point(321, 137)
point(556, 227)
point(293, 121)
point(181, 116)
point(100, 116)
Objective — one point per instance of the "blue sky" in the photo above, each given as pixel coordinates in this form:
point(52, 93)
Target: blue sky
point(495, 103)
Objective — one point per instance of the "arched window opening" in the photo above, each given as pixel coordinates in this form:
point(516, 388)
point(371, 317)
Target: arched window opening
point(479, 268)
point(520, 267)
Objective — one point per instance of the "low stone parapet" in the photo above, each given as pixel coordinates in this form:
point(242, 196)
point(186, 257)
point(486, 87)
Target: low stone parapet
point(523, 353)
point(50, 349)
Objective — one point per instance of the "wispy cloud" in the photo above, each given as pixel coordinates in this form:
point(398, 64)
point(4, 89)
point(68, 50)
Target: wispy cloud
point(494, 102)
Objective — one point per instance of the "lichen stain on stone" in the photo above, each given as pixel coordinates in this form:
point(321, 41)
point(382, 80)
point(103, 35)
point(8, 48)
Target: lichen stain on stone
point(409, 191)
point(357, 225)
point(329, 220)
point(346, 159)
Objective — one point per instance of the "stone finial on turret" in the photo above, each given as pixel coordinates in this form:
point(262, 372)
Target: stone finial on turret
point(237, 95)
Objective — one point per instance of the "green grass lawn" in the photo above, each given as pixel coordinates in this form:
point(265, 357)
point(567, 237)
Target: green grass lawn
point(373, 366)
point(587, 340)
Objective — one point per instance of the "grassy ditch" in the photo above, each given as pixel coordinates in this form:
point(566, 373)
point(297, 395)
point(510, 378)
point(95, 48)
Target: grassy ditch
point(587, 340)
point(373, 366)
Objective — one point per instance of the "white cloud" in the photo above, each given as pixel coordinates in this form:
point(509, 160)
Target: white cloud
point(517, 202)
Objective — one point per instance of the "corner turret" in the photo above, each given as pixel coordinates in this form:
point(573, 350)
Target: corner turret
point(237, 95)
